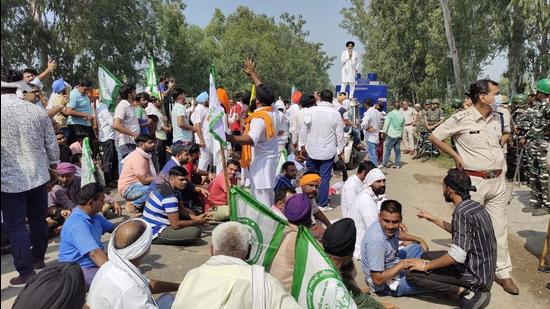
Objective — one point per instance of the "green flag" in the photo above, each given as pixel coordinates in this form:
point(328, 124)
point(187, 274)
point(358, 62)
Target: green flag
point(109, 86)
point(152, 80)
point(265, 227)
point(90, 173)
point(316, 283)
point(218, 121)
point(283, 156)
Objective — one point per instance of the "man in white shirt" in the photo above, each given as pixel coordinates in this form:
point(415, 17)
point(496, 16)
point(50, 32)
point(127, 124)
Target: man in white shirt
point(119, 283)
point(408, 134)
point(32, 77)
point(125, 123)
point(371, 123)
point(322, 138)
point(353, 186)
point(182, 129)
point(294, 105)
point(199, 118)
point(227, 281)
point(367, 205)
point(259, 151)
point(297, 119)
point(350, 61)
point(162, 128)
point(107, 143)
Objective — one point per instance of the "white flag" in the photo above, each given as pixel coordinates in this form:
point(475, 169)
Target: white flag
point(109, 86)
point(316, 283)
point(90, 173)
point(218, 121)
point(265, 227)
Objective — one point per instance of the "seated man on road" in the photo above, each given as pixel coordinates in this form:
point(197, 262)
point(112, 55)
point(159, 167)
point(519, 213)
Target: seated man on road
point(119, 283)
point(468, 267)
point(218, 204)
point(81, 234)
point(384, 264)
point(298, 212)
point(172, 223)
point(60, 286)
point(339, 244)
point(281, 197)
point(309, 184)
point(287, 178)
point(353, 186)
point(137, 173)
point(227, 281)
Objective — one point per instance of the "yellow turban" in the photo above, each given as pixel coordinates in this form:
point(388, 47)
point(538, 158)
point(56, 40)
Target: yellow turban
point(309, 178)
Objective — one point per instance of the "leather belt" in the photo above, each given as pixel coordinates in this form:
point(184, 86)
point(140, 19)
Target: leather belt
point(490, 174)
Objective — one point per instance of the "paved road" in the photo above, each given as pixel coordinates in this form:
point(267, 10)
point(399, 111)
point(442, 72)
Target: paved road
point(415, 185)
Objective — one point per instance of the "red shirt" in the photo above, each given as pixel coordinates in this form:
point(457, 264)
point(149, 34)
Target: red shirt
point(218, 190)
point(236, 113)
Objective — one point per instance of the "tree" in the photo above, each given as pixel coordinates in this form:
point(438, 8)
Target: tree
point(452, 45)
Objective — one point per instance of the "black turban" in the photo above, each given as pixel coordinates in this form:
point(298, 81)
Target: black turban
point(461, 189)
point(339, 238)
point(59, 286)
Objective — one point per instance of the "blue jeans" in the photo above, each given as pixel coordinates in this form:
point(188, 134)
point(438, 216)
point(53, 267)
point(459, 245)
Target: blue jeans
point(395, 144)
point(373, 154)
point(137, 194)
point(405, 287)
point(27, 244)
point(324, 168)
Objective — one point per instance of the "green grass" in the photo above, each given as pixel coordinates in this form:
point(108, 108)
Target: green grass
point(443, 160)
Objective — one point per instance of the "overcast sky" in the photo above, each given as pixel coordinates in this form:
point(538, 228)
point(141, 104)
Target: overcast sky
point(322, 18)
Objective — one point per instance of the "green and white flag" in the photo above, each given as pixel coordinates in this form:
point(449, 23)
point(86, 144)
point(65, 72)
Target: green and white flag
point(218, 121)
point(316, 283)
point(283, 156)
point(152, 79)
point(90, 173)
point(109, 86)
point(265, 227)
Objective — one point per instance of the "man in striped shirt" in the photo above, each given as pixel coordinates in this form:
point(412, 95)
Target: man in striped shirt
point(468, 268)
point(171, 224)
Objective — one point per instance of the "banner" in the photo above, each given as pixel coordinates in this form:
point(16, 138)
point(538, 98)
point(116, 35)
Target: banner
point(109, 86)
point(152, 79)
point(218, 122)
point(89, 173)
point(266, 228)
point(316, 283)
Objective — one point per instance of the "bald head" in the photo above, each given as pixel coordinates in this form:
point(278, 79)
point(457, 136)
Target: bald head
point(128, 233)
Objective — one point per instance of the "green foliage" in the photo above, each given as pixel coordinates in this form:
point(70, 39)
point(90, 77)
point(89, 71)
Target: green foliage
point(81, 35)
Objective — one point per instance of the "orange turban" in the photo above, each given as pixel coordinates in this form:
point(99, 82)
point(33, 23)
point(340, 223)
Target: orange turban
point(296, 96)
point(224, 98)
point(309, 178)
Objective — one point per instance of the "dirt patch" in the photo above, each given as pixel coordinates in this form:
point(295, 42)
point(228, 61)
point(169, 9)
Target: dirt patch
point(423, 179)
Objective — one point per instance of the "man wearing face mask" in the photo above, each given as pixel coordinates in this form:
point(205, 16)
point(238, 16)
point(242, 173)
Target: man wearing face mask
point(535, 123)
point(478, 134)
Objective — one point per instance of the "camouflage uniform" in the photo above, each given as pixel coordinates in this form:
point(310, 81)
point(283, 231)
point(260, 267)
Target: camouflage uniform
point(536, 124)
point(515, 146)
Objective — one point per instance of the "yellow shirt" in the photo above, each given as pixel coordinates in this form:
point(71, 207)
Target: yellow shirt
point(477, 139)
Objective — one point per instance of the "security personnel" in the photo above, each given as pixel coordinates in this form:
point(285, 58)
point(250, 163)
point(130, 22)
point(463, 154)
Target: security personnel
point(517, 108)
point(536, 125)
point(478, 133)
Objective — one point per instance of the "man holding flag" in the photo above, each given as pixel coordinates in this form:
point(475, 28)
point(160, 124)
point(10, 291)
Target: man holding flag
point(259, 154)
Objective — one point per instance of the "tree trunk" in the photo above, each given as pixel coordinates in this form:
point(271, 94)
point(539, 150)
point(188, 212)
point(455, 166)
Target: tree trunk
point(516, 57)
point(452, 46)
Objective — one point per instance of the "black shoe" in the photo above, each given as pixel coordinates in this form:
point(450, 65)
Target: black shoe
point(475, 300)
point(39, 264)
point(21, 280)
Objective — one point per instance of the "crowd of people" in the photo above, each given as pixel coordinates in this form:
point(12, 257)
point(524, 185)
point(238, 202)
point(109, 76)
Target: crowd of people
point(160, 156)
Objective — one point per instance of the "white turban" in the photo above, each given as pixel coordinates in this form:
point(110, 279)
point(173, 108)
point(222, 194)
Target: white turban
point(374, 175)
point(121, 257)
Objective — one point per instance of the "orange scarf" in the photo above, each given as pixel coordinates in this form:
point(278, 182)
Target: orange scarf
point(263, 114)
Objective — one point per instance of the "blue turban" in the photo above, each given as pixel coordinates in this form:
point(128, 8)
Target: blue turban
point(201, 98)
point(58, 85)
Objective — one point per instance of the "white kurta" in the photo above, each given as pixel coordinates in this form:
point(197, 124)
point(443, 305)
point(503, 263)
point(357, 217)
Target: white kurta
point(349, 66)
point(364, 213)
point(227, 286)
point(263, 168)
point(200, 116)
point(350, 191)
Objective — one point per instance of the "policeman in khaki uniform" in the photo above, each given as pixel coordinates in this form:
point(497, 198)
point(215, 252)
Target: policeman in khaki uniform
point(479, 133)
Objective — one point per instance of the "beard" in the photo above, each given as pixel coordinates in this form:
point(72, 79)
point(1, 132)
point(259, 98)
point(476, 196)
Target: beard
point(448, 198)
point(379, 190)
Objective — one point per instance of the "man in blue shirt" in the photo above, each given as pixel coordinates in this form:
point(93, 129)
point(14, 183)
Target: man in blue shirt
point(80, 111)
point(287, 178)
point(81, 234)
point(384, 264)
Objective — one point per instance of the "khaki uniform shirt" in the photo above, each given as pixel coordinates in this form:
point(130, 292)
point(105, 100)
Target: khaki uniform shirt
point(477, 139)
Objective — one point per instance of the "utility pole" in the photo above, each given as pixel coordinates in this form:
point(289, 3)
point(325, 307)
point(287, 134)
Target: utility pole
point(452, 46)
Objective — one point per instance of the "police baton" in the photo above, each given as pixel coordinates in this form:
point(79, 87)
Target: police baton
point(516, 179)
